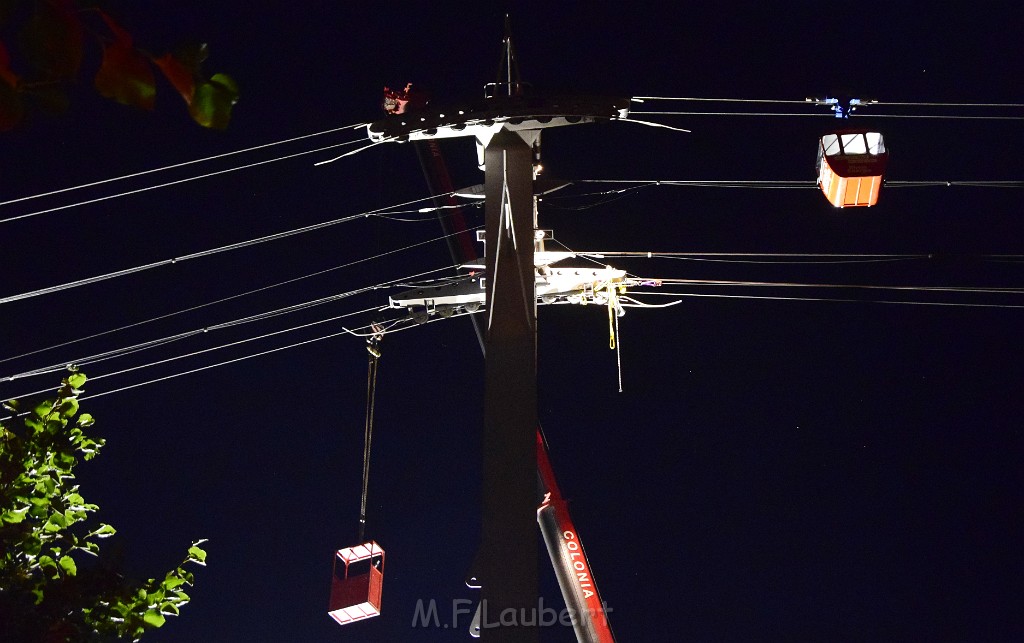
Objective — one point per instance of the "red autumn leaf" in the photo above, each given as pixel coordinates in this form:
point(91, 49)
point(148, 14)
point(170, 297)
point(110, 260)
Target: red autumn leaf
point(125, 75)
point(11, 109)
point(179, 76)
point(6, 74)
point(120, 35)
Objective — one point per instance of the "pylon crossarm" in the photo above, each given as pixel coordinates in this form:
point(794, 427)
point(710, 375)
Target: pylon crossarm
point(483, 119)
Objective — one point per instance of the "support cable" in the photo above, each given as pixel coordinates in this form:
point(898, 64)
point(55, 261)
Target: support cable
point(373, 348)
point(204, 368)
point(218, 301)
point(650, 123)
point(969, 184)
point(653, 293)
point(177, 165)
point(600, 254)
point(689, 113)
point(950, 117)
point(833, 299)
point(176, 182)
point(827, 114)
point(209, 366)
point(925, 104)
point(203, 351)
point(718, 100)
point(354, 152)
point(698, 257)
point(224, 363)
point(128, 350)
point(610, 196)
point(204, 253)
point(781, 184)
point(784, 284)
point(805, 102)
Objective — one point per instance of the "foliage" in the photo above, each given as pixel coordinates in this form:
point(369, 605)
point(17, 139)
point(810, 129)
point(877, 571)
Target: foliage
point(48, 591)
point(52, 34)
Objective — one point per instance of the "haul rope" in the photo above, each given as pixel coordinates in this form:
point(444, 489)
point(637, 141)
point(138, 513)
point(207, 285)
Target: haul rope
point(373, 348)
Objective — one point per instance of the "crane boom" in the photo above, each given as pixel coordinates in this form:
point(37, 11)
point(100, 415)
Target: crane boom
point(568, 558)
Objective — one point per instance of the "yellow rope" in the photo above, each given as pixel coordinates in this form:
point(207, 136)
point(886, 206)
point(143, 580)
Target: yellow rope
point(611, 315)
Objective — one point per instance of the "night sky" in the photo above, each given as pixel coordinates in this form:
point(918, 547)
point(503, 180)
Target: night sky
point(774, 469)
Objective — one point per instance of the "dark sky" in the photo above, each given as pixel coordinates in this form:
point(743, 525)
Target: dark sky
point(775, 469)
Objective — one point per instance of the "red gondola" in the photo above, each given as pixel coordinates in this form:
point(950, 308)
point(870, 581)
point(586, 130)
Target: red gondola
point(850, 167)
point(357, 584)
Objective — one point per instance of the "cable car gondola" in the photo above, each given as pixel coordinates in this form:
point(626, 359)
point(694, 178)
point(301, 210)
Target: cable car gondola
point(850, 167)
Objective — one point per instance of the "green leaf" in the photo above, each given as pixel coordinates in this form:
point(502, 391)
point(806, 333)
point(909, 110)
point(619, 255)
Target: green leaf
point(156, 595)
point(40, 510)
point(183, 598)
point(69, 407)
point(14, 516)
point(67, 563)
point(32, 546)
point(85, 420)
point(43, 408)
point(46, 486)
point(40, 505)
point(105, 531)
point(213, 100)
point(172, 582)
point(154, 618)
point(169, 608)
point(76, 380)
point(57, 521)
point(197, 555)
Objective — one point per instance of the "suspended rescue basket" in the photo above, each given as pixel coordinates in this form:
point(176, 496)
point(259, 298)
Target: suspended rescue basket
point(358, 577)
point(851, 164)
point(357, 583)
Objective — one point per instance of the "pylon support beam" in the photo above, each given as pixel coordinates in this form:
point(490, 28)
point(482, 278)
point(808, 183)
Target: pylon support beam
point(509, 561)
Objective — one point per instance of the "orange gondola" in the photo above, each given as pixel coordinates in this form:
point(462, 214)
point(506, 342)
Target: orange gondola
point(851, 164)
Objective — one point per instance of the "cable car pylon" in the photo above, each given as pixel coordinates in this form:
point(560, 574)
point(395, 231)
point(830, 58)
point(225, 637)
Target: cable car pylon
point(507, 125)
point(563, 541)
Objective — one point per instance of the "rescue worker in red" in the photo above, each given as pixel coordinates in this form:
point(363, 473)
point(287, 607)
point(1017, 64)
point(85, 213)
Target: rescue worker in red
point(404, 101)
